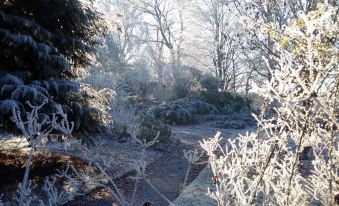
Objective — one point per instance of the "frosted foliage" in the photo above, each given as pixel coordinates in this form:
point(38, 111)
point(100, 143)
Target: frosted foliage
point(124, 115)
point(43, 51)
point(56, 196)
point(35, 127)
point(7, 105)
point(36, 92)
point(293, 158)
point(24, 197)
point(27, 24)
point(10, 79)
point(94, 177)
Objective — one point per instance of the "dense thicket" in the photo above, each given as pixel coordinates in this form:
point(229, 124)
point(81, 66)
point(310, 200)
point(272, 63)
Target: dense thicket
point(43, 44)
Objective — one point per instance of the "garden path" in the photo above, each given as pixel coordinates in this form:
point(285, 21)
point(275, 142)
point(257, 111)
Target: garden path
point(167, 173)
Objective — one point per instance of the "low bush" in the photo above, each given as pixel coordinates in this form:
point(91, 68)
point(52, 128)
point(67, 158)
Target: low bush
point(89, 120)
point(209, 83)
point(125, 120)
point(255, 101)
point(100, 79)
point(150, 127)
point(183, 111)
point(188, 81)
point(226, 102)
point(182, 88)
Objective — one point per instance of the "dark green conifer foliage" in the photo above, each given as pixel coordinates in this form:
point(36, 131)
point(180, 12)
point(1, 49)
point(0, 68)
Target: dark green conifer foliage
point(43, 43)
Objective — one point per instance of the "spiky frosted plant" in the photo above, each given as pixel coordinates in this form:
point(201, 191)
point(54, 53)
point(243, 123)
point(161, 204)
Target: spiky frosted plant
point(56, 196)
point(293, 158)
point(35, 126)
point(1, 203)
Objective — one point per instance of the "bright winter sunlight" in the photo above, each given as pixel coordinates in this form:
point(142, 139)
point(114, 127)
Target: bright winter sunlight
point(169, 103)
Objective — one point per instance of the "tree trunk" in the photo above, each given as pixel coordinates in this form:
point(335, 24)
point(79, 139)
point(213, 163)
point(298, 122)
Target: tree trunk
point(174, 66)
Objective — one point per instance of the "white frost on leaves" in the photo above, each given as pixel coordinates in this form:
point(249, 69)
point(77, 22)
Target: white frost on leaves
point(269, 167)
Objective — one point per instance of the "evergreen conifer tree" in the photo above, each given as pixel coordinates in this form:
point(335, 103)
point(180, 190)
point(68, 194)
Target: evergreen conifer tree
point(43, 43)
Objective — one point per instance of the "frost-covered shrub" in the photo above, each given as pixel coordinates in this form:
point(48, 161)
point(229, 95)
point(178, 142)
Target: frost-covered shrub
point(182, 87)
point(233, 103)
point(88, 109)
point(36, 127)
point(209, 83)
point(226, 102)
point(100, 79)
point(125, 120)
point(150, 127)
point(255, 102)
point(188, 81)
point(134, 80)
point(293, 157)
point(183, 111)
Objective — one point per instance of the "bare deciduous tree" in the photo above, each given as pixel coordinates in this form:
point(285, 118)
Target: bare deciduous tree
point(223, 33)
point(161, 15)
